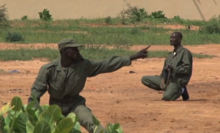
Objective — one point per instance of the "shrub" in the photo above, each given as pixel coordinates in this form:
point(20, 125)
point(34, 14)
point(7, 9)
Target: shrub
point(158, 14)
point(45, 15)
point(211, 28)
point(24, 17)
point(133, 13)
point(177, 19)
point(14, 37)
point(3, 16)
point(215, 19)
point(108, 20)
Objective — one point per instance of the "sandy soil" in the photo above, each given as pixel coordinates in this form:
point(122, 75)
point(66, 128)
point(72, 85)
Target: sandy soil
point(120, 96)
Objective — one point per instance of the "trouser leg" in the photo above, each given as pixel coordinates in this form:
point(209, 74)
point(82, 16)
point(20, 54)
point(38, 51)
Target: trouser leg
point(85, 118)
point(172, 92)
point(152, 82)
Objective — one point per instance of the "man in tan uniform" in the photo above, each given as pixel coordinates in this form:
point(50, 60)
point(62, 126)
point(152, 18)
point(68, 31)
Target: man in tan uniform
point(176, 72)
point(65, 78)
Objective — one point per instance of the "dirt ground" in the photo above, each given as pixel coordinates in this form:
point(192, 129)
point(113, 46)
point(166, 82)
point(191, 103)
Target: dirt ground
point(121, 97)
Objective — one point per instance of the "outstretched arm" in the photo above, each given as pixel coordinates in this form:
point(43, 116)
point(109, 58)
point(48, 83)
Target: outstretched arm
point(40, 84)
point(109, 65)
point(112, 64)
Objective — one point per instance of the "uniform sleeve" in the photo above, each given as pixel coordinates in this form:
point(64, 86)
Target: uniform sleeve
point(39, 86)
point(186, 66)
point(94, 68)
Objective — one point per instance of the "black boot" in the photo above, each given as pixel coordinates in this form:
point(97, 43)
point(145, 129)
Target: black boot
point(185, 94)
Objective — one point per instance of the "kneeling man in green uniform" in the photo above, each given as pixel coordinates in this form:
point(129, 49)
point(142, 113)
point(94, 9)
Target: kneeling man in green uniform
point(176, 72)
point(65, 78)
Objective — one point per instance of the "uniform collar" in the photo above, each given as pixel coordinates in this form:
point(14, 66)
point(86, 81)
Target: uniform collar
point(178, 49)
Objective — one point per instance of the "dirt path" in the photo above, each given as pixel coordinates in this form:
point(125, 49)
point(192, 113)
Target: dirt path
point(120, 96)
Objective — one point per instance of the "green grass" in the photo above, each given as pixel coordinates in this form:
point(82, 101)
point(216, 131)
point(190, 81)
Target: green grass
point(96, 31)
point(89, 53)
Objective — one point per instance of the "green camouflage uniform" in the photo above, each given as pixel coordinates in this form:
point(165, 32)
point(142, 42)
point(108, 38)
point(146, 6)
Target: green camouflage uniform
point(64, 85)
point(182, 64)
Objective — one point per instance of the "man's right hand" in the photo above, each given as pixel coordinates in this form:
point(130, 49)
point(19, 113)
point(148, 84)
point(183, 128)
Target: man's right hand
point(141, 54)
point(169, 68)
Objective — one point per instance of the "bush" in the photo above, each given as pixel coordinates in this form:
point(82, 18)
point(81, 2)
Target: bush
point(157, 14)
point(108, 20)
point(45, 15)
point(14, 37)
point(3, 16)
point(24, 17)
point(215, 19)
point(212, 27)
point(136, 14)
point(133, 13)
point(33, 118)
